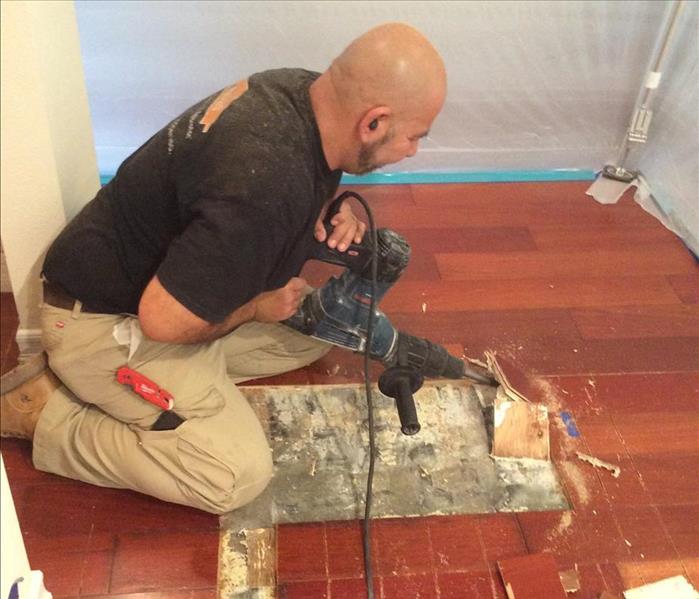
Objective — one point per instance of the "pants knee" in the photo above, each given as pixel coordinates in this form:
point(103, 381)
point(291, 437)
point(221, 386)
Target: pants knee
point(317, 351)
point(250, 481)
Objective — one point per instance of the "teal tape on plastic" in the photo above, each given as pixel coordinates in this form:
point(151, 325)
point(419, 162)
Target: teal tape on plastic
point(470, 177)
point(456, 177)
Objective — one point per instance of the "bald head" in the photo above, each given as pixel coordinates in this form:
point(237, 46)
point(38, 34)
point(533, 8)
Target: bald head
point(378, 98)
point(393, 65)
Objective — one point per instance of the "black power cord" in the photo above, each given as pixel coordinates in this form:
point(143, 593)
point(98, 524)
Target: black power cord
point(366, 536)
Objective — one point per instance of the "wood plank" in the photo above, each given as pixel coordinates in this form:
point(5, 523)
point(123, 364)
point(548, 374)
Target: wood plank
point(583, 237)
point(449, 194)
point(531, 577)
point(631, 393)
point(393, 197)
point(520, 430)
point(261, 557)
point(548, 356)
point(422, 267)
point(667, 477)
point(498, 294)
point(659, 433)
point(503, 326)
point(638, 321)
point(470, 239)
point(661, 260)
point(506, 215)
point(534, 199)
point(686, 287)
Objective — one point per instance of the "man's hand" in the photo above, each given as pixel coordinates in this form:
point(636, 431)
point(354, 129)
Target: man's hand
point(165, 319)
point(280, 304)
point(348, 228)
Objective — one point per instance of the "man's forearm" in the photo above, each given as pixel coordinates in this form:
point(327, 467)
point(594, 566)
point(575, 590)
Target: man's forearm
point(165, 319)
point(239, 316)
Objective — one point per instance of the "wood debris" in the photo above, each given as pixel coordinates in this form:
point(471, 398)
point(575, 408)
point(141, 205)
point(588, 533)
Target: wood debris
point(477, 362)
point(570, 580)
point(597, 463)
point(501, 377)
point(261, 557)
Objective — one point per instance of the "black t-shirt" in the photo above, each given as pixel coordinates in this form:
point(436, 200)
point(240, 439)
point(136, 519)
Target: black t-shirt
point(219, 216)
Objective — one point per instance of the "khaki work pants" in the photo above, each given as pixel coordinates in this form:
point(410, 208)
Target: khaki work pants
point(97, 430)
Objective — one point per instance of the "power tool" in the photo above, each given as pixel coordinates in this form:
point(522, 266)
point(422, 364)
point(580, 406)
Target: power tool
point(338, 313)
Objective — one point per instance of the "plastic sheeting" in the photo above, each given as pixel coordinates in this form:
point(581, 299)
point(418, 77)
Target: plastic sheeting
point(537, 85)
point(532, 85)
point(669, 160)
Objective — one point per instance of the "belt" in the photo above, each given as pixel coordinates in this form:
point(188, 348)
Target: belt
point(58, 297)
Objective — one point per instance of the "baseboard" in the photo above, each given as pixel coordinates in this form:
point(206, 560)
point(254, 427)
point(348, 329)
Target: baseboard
point(29, 342)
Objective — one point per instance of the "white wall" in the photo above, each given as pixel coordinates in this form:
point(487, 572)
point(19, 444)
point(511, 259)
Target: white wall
point(532, 85)
point(670, 158)
point(48, 162)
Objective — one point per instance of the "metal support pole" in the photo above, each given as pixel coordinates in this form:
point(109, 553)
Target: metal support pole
point(637, 131)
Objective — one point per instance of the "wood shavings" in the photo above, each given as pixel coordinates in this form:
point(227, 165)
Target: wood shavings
point(476, 361)
point(597, 463)
point(499, 374)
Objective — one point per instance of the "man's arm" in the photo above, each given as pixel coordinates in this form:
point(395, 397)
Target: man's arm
point(164, 319)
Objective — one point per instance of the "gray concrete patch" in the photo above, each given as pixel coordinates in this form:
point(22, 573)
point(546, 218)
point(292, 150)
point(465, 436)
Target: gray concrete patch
point(319, 439)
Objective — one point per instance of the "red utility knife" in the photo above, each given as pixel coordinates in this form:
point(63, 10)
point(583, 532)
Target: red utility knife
point(146, 388)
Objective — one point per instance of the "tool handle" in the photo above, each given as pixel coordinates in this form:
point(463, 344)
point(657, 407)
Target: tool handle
point(355, 257)
point(400, 382)
point(407, 414)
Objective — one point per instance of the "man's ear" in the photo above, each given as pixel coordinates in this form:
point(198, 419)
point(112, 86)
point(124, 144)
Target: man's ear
point(375, 124)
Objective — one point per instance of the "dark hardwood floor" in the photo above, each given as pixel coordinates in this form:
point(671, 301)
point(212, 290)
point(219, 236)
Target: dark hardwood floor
point(599, 307)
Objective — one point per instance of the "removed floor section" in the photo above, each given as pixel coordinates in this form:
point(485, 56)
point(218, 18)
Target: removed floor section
point(320, 444)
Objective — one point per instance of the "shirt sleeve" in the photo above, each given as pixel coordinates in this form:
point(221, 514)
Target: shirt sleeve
point(223, 258)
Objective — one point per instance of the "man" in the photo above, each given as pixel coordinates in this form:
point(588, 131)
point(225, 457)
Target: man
point(182, 267)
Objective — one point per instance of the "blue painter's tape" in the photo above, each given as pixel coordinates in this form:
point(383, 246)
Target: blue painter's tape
point(505, 176)
point(457, 177)
point(567, 418)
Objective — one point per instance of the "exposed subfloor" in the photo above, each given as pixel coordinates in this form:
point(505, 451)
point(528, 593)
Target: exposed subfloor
point(598, 304)
point(319, 440)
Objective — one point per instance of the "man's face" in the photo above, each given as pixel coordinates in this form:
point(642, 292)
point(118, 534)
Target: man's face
point(367, 160)
point(400, 142)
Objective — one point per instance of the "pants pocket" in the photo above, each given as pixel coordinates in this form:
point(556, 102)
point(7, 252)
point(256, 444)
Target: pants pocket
point(53, 329)
point(203, 471)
